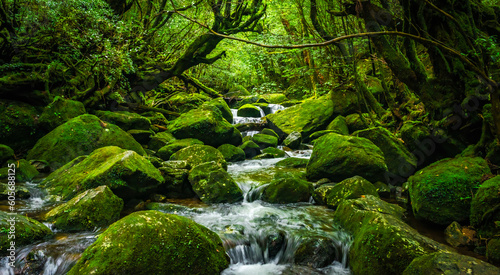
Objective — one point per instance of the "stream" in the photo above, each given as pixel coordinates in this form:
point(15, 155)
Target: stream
point(260, 238)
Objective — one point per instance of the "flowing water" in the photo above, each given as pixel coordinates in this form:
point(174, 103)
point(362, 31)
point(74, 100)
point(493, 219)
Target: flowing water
point(260, 238)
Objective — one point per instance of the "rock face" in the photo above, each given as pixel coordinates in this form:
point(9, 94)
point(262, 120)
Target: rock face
point(485, 207)
point(90, 209)
point(231, 153)
point(287, 190)
point(60, 111)
point(151, 242)
point(125, 172)
point(213, 184)
point(248, 110)
point(351, 188)
point(171, 148)
point(338, 157)
point(80, 136)
point(305, 118)
point(206, 124)
point(27, 231)
point(383, 243)
point(197, 154)
point(125, 120)
point(398, 159)
point(442, 192)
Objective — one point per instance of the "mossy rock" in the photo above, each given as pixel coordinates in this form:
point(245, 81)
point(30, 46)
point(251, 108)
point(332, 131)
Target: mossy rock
point(24, 171)
point(293, 140)
point(238, 91)
point(168, 150)
point(205, 124)
point(339, 157)
point(213, 184)
point(287, 190)
point(383, 243)
point(319, 194)
point(351, 188)
point(125, 120)
point(91, 209)
point(251, 99)
point(339, 126)
point(264, 156)
point(198, 154)
point(156, 118)
point(231, 153)
point(141, 136)
point(125, 172)
point(305, 118)
point(485, 208)
point(170, 208)
point(315, 251)
point(6, 153)
point(19, 120)
point(80, 136)
point(250, 148)
point(345, 102)
point(249, 110)
point(151, 242)
point(270, 132)
point(21, 191)
point(493, 251)
point(183, 102)
point(176, 184)
point(275, 152)
point(264, 141)
point(59, 112)
point(275, 98)
point(443, 262)
point(292, 163)
point(27, 231)
point(356, 122)
point(236, 139)
point(319, 134)
point(399, 160)
point(442, 192)
point(159, 140)
point(221, 104)
point(413, 132)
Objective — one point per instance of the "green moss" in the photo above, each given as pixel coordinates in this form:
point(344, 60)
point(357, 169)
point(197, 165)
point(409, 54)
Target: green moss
point(493, 251)
point(80, 136)
point(293, 140)
point(125, 120)
point(231, 153)
point(275, 98)
point(159, 140)
point(287, 190)
point(6, 153)
point(60, 111)
point(438, 263)
point(183, 102)
point(248, 110)
point(250, 148)
point(485, 208)
point(276, 153)
point(88, 210)
point(270, 132)
point(151, 242)
point(355, 122)
point(265, 141)
point(292, 163)
point(168, 150)
point(21, 192)
point(198, 154)
point(347, 189)
point(24, 171)
point(221, 104)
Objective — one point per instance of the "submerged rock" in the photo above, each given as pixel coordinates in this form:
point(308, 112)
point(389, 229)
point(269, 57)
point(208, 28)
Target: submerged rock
point(151, 242)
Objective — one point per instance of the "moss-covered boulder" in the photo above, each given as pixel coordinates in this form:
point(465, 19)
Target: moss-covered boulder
point(413, 132)
point(250, 148)
point(493, 251)
point(443, 262)
point(19, 120)
point(287, 190)
point(24, 171)
point(221, 104)
point(175, 173)
point(237, 91)
point(26, 231)
point(319, 134)
point(21, 191)
point(293, 140)
point(267, 131)
point(168, 150)
point(351, 188)
point(383, 243)
point(205, 124)
point(249, 110)
point(265, 141)
point(357, 122)
point(91, 209)
point(339, 125)
point(398, 159)
point(485, 208)
point(80, 136)
point(198, 154)
point(231, 153)
point(275, 152)
point(159, 140)
point(151, 242)
point(125, 172)
point(183, 102)
point(125, 120)
point(275, 98)
point(6, 153)
point(338, 157)
point(315, 251)
point(60, 111)
point(213, 184)
point(292, 163)
point(305, 118)
point(442, 192)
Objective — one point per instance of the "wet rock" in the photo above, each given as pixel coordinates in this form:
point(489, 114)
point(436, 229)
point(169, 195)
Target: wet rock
point(197, 154)
point(277, 153)
point(249, 110)
point(265, 141)
point(442, 192)
point(264, 156)
point(275, 98)
point(338, 157)
point(88, 210)
point(176, 183)
point(172, 147)
point(151, 242)
point(383, 190)
point(232, 153)
point(159, 140)
point(339, 126)
point(287, 190)
point(275, 242)
point(319, 194)
point(293, 140)
point(250, 148)
point(21, 192)
point(315, 252)
point(293, 163)
point(270, 132)
point(485, 207)
point(457, 236)
point(170, 208)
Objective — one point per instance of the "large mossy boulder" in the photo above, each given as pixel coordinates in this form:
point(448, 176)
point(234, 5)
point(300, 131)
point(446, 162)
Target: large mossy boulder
point(151, 242)
point(398, 159)
point(27, 231)
point(249, 110)
point(383, 243)
point(287, 190)
point(18, 119)
point(24, 171)
point(125, 172)
point(339, 157)
point(91, 209)
point(183, 102)
point(351, 188)
point(60, 111)
point(275, 98)
point(221, 104)
point(213, 184)
point(205, 124)
point(442, 192)
point(449, 263)
point(265, 141)
point(80, 136)
point(232, 153)
point(198, 154)
point(125, 120)
point(250, 148)
point(168, 150)
point(175, 173)
point(159, 140)
point(305, 118)
point(339, 126)
point(485, 208)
